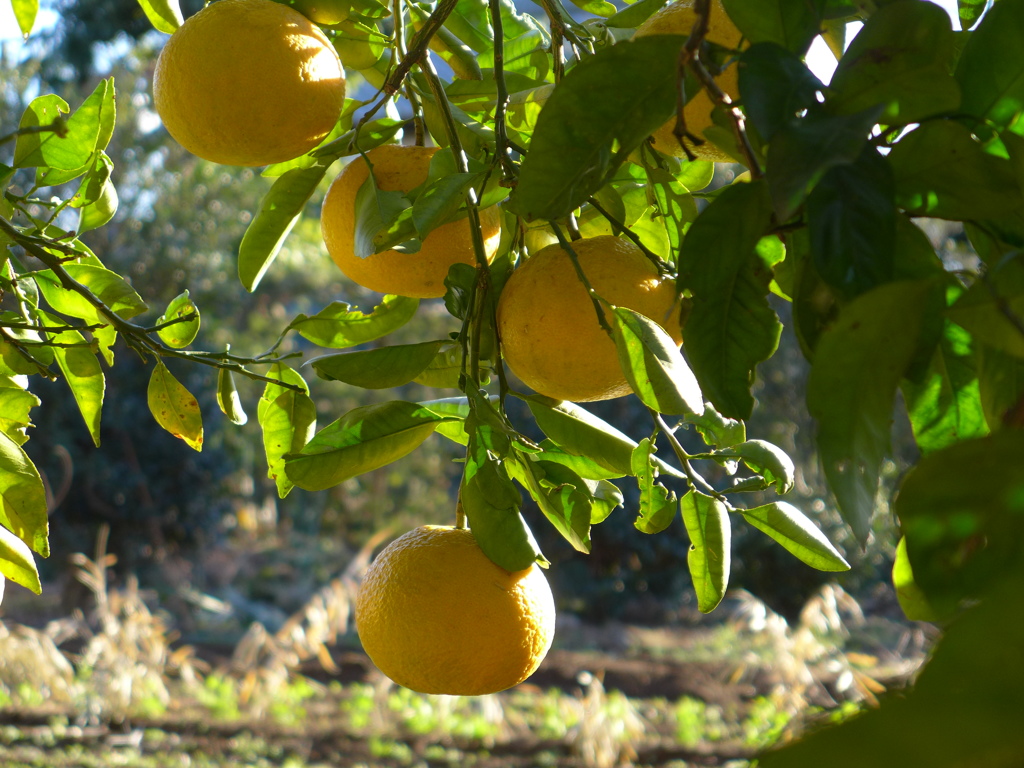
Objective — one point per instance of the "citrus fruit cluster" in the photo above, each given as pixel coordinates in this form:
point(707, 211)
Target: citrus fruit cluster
point(248, 82)
point(678, 19)
point(437, 616)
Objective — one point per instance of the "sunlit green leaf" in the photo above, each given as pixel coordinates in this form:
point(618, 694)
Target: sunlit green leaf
point(365, 438)
point(767, 460)
point(97, 196)
point(793, 530)
point(710, 556)
point(912, 600)
point(716, 430)
point(287, 417)
point(22, 497)
point(227, 397)
point(17, 563)
point(561, 494)
point(339, 325)
point(113, 290)
point(164, 15)
point(174, 407)
point(15, 404)
point(82, 372)
point(653, 365)
point(25, 11)
point(657, 503)
point(183, 315)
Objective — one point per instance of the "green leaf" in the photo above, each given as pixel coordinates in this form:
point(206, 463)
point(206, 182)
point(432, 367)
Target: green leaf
point(710, 556)
point(801, 152)
point(792, 24)
point(1001, 387)
point(174, 407)
point(911, 597)
point(581, 465)
point(581, 433)
point(767, 460)
point(15, 404)
point(857, 367)
point(22, 497)
point(632, 16)
point(17, 563)
point(657, 503)
point(990, 70)
point(183, 331)
point(379, 368)
point(383, 220)
point(775, 86)
point(82, 372)
point(363, 439)
point(278, 212)
point(112, 289)
point(960, 510)
point(942, 172)
point(571, 154)
point(716, 430)
point(491, 503)
point(444, 371)
point(288, 419)
point(164, 15)
point(84, 132)
point(793, 530)
point(338, 325)
point(596, 7)
point(227, 397)
point(25, 12)
point(97, 196)
point(730, 327)
point(970, 11)
point(561, 494)
point(653, 365)
point(983, 308)
point(902, 59)
point(851, 215)
point(456, 409)
point(945, 407)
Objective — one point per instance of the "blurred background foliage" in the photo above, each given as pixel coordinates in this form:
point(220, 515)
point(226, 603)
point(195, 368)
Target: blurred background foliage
point(178, 518)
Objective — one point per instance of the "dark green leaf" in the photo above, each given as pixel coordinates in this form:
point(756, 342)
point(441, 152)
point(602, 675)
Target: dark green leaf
point(801, 152)
point(942, 172)
point(960, 509)
point(945, 407)
point(710, 556)
point(858, 364)
point(792, 24)
point(444, 371)
point(654, 366)
point(571, 155)
point(164, 15)
point(278, 212)
point(675, 205)
point(363, 439)
point(851, 215)
point(182, 332)
point(22, 497)
point(730, 327)
point(383, 220)
point(794, 530)
point(174, 407)
point(1001, 387)
point(901, 59)
point(987, 307)
point(657, 503)
point(227, 397)
point(338, 325)
point(379, 368)
point(287, 418)
point(775, 86)
point(991, 70)
point(17, 563)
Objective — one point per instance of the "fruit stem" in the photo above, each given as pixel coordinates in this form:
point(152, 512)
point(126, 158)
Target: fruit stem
point(461, 521)
point(692, 476)
point(664, 268)
point(567, 247)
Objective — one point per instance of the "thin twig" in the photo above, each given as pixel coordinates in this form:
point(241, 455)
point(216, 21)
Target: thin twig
point(692, 476)
point(500, 129)
point(664, 268)
point(574, 258)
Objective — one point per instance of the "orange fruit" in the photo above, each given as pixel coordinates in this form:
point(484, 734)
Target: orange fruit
point(678, 19)
point(421, 274)
point(437, 616)
point(548, 327)
point(248, 82)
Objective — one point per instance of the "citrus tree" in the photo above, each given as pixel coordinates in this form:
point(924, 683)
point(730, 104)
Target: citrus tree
point(556, 187)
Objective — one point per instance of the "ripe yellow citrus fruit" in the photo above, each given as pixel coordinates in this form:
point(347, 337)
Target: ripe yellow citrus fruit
point(421, 275)
point(548, 327)
point(437, 616)
point(248, 82)
point(678, 19)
